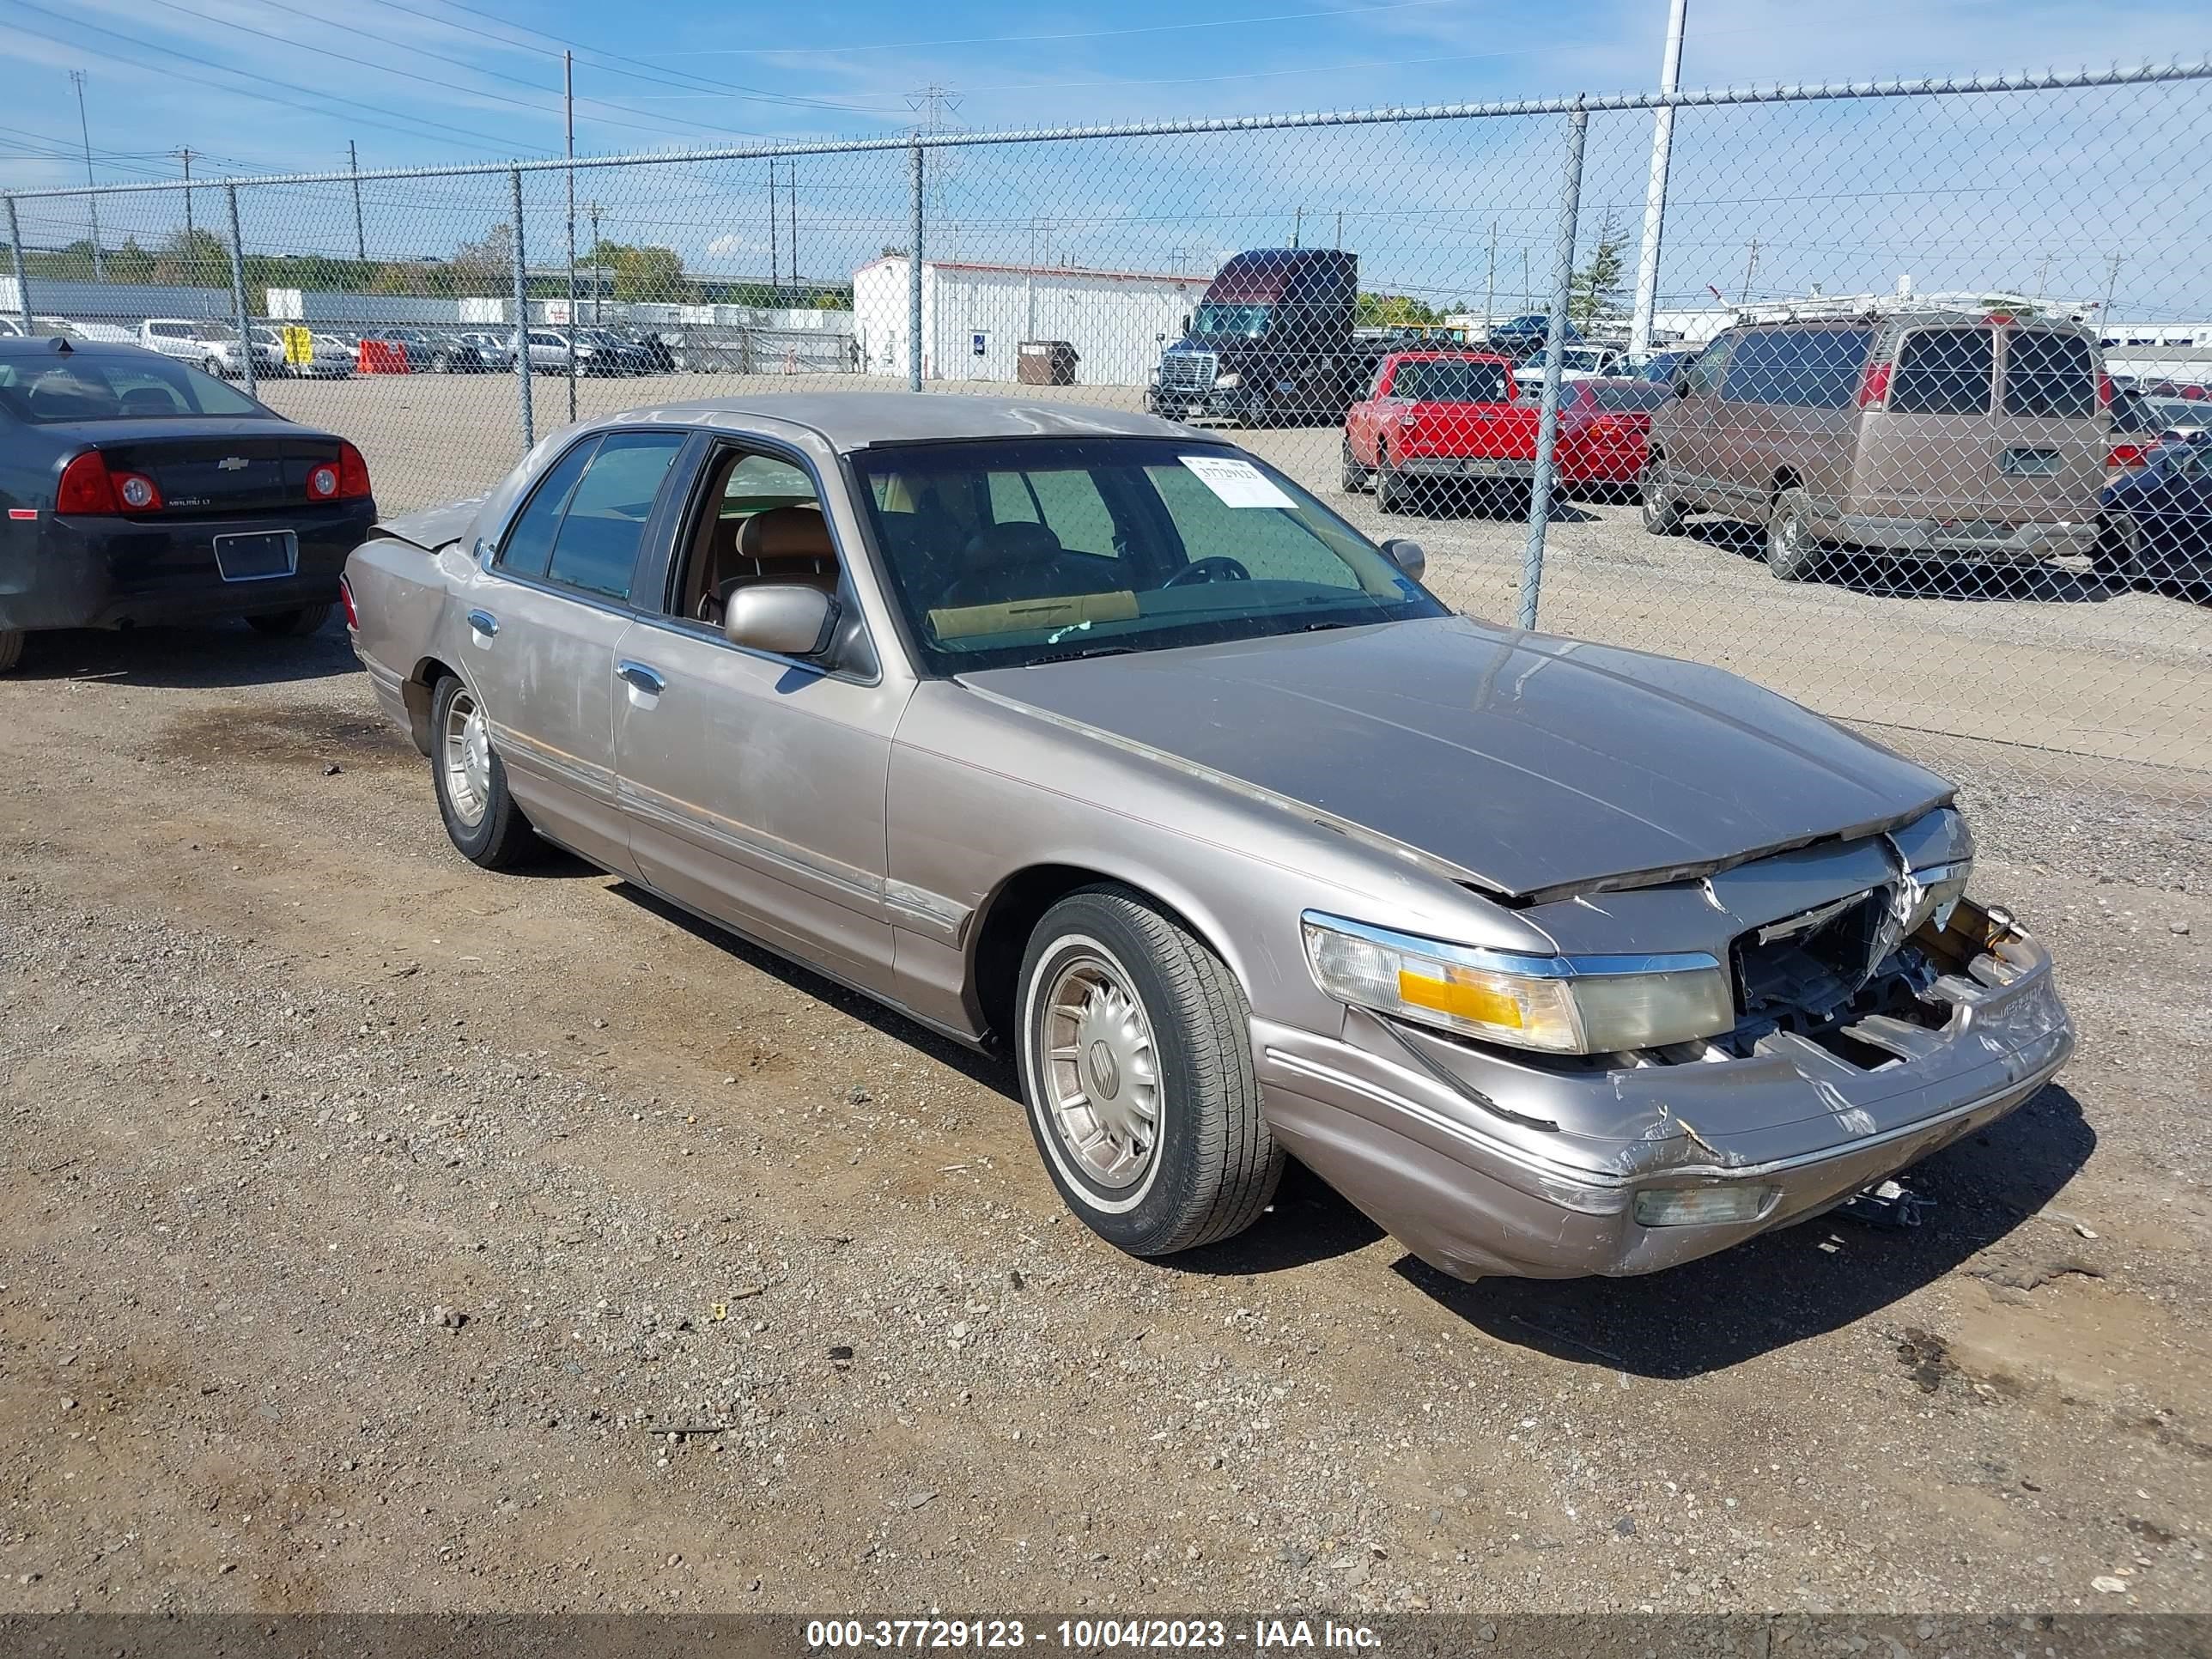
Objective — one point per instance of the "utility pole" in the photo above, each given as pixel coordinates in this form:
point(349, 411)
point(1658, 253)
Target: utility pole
point(2042, 276)
point(1527, 296)
point(2112, 286)
point(1655, 192)
point(597, 273)
point(791, 193)
point(1340, 230)
point(1490, 283)
point(360, 237)
point(1298, 227)
point(568, 125)
point(91, 202)
point(775, 259)
point(1750, 270)
point(184, 154)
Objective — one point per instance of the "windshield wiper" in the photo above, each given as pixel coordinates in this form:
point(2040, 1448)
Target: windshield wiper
point(1087, 651)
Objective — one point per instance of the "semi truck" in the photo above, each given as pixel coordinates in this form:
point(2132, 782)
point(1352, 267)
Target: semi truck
point(1275, 341)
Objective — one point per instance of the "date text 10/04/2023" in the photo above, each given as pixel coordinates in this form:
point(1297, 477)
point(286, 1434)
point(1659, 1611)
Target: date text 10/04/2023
point(1088, 1635)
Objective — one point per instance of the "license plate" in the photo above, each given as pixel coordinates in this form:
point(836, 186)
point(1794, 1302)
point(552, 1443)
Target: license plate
point(2030, 463)
point(1194, 409)
point(1487, 466)
point(257, 555)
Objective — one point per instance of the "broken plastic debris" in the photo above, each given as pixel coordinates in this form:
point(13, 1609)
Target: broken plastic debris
point(1887, 1204)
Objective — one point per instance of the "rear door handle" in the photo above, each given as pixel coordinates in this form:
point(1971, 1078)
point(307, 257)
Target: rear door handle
point(639, 677)
point(485, 622)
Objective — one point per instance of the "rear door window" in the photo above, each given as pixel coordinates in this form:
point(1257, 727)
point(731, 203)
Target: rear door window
point(596, 547)
point(2050, 374)
point(529, 541)
point(1944, 371)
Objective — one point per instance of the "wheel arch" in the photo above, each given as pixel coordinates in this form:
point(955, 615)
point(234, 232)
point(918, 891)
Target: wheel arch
point(1008, 916)
point(417, 691)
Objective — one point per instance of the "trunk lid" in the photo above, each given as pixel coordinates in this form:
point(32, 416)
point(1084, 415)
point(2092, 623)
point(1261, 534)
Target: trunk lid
point(212, 466)
point(432, 527)
point(1538, 766)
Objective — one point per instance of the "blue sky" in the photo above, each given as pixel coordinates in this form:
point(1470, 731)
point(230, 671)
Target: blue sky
point(258, 85)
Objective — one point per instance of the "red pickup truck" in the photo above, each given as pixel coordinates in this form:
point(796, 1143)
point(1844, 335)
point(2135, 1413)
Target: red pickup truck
point(1436, 417)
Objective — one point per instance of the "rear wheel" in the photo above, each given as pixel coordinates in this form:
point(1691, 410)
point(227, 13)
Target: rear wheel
point(1662, 512)
point(11, 647)
point(1136, 1064)
point(1793, 552)
point(1354, 477)
point(480, 814)
point(295, 624)
point(2119, 556)
point(1392, 493)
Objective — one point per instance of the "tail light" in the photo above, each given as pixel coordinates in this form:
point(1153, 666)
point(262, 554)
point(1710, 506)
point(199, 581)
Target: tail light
point(345, 603)
point(2104, 391)
point(353, 473)
point(2128, 455)
point(86, 487)
point(137, 492)
point(323, 480)
point(1874, 386)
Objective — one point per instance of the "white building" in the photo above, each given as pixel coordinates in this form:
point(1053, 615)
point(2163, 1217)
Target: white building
point(975, 316)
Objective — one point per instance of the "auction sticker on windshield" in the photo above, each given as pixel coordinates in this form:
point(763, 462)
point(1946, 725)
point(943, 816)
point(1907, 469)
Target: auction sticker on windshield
point(1238, 483)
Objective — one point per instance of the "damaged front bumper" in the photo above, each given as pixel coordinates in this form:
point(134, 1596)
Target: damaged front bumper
point(1485, 1164)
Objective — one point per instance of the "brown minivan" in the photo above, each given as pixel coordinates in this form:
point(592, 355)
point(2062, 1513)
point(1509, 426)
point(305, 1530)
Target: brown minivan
point(1924, 434)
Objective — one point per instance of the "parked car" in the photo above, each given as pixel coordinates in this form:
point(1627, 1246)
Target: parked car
point(1584, 363)
point(494, 351)
point(2155, 528)
point(1081, 735)
point(1434, 418)
point(1526, 336)
point(334, 357)
point(431, 351)
point(1664, 368)
point(1604, 428)
point(1924, 434)
point(213, 348)
point(597, 352)
point(47, 327)
point(140, 489)
point(652, 344)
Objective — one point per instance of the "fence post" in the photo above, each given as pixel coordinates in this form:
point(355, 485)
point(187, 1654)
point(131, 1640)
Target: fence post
point(1555, 345)
point(22, 282)
point(914, 284)
point(238, 293)
point(521, 317)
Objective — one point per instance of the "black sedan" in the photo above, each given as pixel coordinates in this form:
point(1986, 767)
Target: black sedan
point(2155, 527)
point(137, 489)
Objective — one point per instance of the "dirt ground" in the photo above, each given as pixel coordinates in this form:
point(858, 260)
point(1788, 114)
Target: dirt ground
point(381, 1233)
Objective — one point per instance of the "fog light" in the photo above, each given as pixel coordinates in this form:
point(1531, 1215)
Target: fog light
point(1702, 1207)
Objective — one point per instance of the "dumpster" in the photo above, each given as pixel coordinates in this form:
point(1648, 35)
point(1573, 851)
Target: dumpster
point(1047, 362)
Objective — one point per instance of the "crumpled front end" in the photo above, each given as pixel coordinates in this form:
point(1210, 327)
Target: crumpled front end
point(1484, 1161)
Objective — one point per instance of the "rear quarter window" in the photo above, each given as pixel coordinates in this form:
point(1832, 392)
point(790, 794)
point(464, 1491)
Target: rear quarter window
point(1944, 371)
point(2049, 375)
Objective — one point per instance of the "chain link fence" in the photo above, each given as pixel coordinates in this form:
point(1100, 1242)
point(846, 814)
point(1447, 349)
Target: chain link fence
point(1884, 396)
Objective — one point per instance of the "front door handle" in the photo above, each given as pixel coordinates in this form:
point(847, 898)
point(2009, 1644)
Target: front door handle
point(639, 677)
point(485, 622)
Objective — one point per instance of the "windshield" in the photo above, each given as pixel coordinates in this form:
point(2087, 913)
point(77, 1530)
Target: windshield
point(1251, 321)
point(1629, 394)
point(1452, 380)
point(86, 388)
point(1007, 554)
point(2175, 411)
point(597, 337)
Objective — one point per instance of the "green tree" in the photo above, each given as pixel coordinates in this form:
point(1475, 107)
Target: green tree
point(1595, 295)
point(1394, 311)
point(482, 267)
point(194, 258)
point(129, 263)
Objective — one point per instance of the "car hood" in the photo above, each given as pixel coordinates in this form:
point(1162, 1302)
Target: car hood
point(1537, 766)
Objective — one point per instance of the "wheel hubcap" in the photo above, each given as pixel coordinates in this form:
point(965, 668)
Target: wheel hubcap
point(467, 760)
point(1790, 533)
point(1100, 1073)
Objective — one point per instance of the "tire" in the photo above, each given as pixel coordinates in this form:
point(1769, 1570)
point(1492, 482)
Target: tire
point(2119, 556)
point(481, 817)
point(1392, 493)
point(1793, 553)
point(441, 364)
point(11, 648)
point(1661, 508)
point(1141, 1000)
point(214, 365)
point(295, 624)
point(1355, 479)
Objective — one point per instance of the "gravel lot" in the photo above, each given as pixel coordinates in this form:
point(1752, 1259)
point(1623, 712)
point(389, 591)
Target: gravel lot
point(385, 1233)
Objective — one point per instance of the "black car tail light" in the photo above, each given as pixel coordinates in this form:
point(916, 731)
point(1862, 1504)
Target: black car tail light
point(87, 486)
point(136, 492)
point(322, 482)
point(352, 474)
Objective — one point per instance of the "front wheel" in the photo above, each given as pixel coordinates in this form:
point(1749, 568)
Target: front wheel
point(480, 814)
point(2119, 556)
point(1135, 1051)
point(11, 648)
point(294, 624)
point(1792, 550)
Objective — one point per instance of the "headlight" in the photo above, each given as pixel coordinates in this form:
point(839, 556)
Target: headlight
point(1942, 887)
point(1229, 381)
point(1564, 1005)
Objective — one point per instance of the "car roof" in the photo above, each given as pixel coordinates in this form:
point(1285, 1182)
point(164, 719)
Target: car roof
point(848, 420)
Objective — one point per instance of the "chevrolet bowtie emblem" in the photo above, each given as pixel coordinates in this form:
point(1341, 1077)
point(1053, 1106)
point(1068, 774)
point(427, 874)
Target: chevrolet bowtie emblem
point(231, 462)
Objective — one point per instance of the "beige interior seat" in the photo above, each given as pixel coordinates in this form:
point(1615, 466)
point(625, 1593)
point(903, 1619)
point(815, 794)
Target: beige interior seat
point(783, 545)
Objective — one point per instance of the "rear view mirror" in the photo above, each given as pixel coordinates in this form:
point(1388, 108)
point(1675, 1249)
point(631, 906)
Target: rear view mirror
point(1407, 555)
point(782, 618)
point(1682, 387)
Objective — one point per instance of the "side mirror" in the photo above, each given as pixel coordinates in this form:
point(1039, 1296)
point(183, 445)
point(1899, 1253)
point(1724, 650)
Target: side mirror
point(1682, 387)
point(1407, 555)
point(782, 618)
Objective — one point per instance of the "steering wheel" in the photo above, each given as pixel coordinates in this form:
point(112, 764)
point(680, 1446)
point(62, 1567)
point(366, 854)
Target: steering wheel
point(1220, 567)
